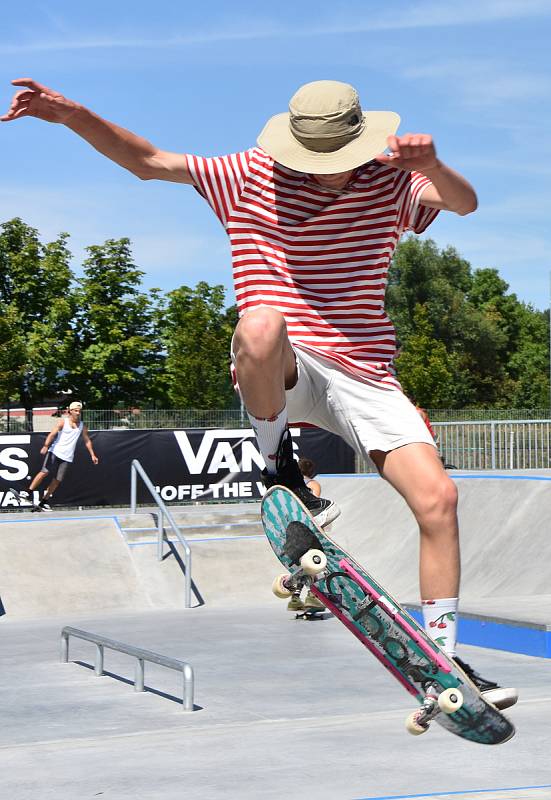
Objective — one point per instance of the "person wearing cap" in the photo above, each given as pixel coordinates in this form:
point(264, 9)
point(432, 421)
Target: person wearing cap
point(59, 449)
point(314, 214)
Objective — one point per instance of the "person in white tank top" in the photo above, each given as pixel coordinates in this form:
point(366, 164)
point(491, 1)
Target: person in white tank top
point(59, 449)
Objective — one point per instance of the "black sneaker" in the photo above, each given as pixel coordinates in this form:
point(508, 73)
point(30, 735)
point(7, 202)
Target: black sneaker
point(499, 697)
point(288, 474)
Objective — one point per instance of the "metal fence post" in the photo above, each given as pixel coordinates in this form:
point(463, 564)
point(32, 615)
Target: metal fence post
point(139, 679)
point(160, 535)
point(187, 703)
point(99, 660)
point(493, 443)
point(64, 647)
point(133, 488)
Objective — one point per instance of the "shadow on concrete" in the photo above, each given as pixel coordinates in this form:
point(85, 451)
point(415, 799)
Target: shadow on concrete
point(130, 682)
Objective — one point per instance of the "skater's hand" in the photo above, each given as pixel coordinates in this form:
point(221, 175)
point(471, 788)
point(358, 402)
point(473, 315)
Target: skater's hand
point(95, 460)
point(43, 450)
point(413, 151)
point(39, 101)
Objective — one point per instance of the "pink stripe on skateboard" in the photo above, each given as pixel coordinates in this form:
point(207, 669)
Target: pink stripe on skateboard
point(364, 640)
point(394, 613)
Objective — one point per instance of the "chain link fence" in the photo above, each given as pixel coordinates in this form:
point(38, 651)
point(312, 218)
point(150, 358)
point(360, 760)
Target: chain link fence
point(497, 444)
point(103, 419)
point(136, 418)
point(18, 420)
point(467, 438)
point(487, 414)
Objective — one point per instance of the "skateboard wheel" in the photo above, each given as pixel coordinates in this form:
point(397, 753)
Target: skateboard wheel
point(279, 588)
point(413, 727)
point(450, 700)
point(313, 561)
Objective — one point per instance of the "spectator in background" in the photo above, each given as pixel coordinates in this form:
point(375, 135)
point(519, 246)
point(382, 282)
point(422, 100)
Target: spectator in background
point(308, 470)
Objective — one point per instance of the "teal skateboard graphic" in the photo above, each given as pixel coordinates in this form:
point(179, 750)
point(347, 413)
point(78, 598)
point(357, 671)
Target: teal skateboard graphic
point(443, 691)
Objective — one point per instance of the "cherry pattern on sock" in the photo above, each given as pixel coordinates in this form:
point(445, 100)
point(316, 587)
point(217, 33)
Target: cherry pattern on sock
point(441, 624)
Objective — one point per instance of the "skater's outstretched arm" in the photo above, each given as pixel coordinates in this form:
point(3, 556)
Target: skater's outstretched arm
point(132, 152)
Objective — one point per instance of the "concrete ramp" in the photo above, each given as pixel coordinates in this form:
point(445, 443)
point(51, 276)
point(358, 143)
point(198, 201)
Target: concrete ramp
point(505, 525)
point(51, 566)
point(227, 571)
point(232, 563)
point(58, 566)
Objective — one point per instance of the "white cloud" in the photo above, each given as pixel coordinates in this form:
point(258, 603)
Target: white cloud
point(420, 15)
point(483, 83)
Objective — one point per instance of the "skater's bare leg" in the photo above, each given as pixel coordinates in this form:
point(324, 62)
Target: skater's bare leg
point(264, 361)
point(265, 366)
point(51, 489)
point(416, 471)
point(36, 481)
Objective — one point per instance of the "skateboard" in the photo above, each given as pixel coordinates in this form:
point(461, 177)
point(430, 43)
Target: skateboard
point(443, 691)
point(24, 498)
point(312, 613)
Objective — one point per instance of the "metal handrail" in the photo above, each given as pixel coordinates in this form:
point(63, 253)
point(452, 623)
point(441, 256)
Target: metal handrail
point(135, 470)
point(138, 653)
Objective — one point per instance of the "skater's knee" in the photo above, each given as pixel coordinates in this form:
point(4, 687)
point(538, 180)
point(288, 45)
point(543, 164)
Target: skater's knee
point(259, 334)
point(437, 502)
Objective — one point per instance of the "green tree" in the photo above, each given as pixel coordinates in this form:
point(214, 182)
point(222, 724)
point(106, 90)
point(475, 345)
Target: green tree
point(425, 368)
point(197, 337)
point(118, 352)
point(37, 302)
point(13, 353)
point(482, 327)
point(529, 364)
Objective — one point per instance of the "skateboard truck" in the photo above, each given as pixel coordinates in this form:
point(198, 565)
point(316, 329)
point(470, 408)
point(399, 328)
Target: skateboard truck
point(449, 701)
point(311, 563)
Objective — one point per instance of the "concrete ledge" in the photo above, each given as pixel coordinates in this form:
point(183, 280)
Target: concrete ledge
point(530, 639)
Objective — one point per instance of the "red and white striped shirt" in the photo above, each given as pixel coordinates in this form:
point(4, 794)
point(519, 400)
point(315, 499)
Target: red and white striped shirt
point(317, 255)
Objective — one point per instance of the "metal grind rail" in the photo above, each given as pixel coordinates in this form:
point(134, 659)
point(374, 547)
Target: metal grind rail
point(135, 470)
point(141, 656)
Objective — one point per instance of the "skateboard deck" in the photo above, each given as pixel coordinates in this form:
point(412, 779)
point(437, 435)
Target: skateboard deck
point(25, 500)
point(441, 688)
point(310, 614)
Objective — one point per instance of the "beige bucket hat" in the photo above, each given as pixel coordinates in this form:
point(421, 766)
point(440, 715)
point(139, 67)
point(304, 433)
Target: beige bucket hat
point(326, 130)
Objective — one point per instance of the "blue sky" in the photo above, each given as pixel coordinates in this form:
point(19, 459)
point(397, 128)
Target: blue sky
point(204, 78)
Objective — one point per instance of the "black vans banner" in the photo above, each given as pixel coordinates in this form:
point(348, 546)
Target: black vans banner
point(183, 464)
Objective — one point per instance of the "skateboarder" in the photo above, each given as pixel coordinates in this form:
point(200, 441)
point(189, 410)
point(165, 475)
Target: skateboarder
point(314, 213)
point(59, 449)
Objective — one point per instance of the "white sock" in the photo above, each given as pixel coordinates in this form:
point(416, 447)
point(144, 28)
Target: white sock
point(440, 619)
point(268, 436)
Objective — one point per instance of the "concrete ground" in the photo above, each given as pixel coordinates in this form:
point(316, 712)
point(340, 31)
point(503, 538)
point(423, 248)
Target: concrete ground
point(282, 707)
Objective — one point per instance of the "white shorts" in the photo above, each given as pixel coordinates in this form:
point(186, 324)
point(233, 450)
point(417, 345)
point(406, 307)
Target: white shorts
point(368, 417)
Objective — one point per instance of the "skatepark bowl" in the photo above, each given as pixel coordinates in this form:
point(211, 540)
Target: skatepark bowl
point(276, 707)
